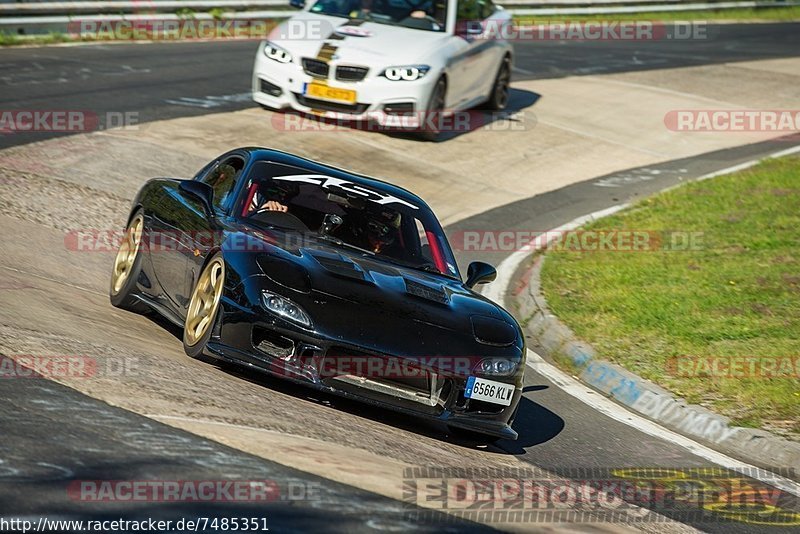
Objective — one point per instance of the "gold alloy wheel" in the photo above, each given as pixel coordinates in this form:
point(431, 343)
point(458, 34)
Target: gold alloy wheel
point(128, 249)
point(205, 300)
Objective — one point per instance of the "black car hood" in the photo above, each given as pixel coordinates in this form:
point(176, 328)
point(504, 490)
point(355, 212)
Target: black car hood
point(360, 298)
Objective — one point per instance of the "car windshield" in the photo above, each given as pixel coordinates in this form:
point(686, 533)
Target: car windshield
point(429, 15)
point(346, 215)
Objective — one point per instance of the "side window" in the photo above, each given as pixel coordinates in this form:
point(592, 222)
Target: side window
point(222, 179)
point(468, 10)
point(474, 10)
point(487, 9)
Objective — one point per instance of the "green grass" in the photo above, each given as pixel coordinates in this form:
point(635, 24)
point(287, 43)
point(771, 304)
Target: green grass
point(10, 39)
point(776, 14)
point(736, 295)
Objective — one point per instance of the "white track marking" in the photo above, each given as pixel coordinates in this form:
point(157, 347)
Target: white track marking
point(497, 290)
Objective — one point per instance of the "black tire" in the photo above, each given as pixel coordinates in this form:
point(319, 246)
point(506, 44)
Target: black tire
point(122, 293)
point(498, 98)
point(193, 344)
point(435, 108)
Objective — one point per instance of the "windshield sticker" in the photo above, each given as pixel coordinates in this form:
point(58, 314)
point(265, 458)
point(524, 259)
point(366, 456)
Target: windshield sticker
point(353, 31)
point(326, 182)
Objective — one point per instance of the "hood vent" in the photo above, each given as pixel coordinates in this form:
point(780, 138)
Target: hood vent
point(341, 267)
point(436, 294)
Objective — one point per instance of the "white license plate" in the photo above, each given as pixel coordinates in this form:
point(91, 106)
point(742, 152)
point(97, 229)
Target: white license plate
point(489, 391)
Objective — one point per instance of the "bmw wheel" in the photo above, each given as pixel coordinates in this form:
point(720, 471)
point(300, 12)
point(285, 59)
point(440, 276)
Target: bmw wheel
point(433, 115)
point(498, 98)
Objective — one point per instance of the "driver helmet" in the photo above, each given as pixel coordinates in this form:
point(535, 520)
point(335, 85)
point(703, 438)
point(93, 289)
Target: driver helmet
point(382, 229)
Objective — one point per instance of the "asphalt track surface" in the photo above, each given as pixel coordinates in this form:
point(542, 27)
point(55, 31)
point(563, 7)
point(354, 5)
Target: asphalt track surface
point(556, 431)
point(96, 441)
point(168, 80)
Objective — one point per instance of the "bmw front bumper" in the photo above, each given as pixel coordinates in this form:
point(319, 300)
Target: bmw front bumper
point(378, 100)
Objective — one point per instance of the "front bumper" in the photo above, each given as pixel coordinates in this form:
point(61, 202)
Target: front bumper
point(303, 357)
point(282, 86)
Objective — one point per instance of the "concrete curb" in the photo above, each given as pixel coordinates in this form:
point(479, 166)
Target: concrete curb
point(638, 394)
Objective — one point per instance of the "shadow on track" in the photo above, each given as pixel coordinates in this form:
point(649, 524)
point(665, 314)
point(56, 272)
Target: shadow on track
point(451, 126)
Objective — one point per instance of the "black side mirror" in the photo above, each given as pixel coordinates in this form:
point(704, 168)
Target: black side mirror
point(299, 4)
point(200, 191)
point(479, 272)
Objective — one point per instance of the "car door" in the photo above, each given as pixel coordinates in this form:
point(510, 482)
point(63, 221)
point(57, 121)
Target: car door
point(199, 231)
point(477, 60)
point(167, 249)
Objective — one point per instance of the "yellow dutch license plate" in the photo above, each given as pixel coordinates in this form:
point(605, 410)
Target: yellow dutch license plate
point(324, 92)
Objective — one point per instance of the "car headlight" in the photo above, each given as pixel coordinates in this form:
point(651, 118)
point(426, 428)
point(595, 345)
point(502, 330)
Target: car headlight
point(285, 308)
point(277, 53)
point(495, 367)
point(407, 73)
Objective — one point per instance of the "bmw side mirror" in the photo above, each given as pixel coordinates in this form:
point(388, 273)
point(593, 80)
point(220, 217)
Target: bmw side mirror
point(479, 272)
point(469, 28)
point(299, 4)
point(200, 191)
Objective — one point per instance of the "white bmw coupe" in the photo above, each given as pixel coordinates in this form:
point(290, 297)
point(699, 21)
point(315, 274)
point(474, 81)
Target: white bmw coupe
point(387, 61)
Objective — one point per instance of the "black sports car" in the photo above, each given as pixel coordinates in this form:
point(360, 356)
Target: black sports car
point(326, 278)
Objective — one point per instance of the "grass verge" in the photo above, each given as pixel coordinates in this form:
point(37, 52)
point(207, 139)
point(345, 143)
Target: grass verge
point(735, 297)
point(10, 39)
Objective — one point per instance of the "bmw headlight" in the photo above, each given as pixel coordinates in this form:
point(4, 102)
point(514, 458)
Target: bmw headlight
point(277, 53)
point(285, 308)
point(407, 73)
point(495, 367)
